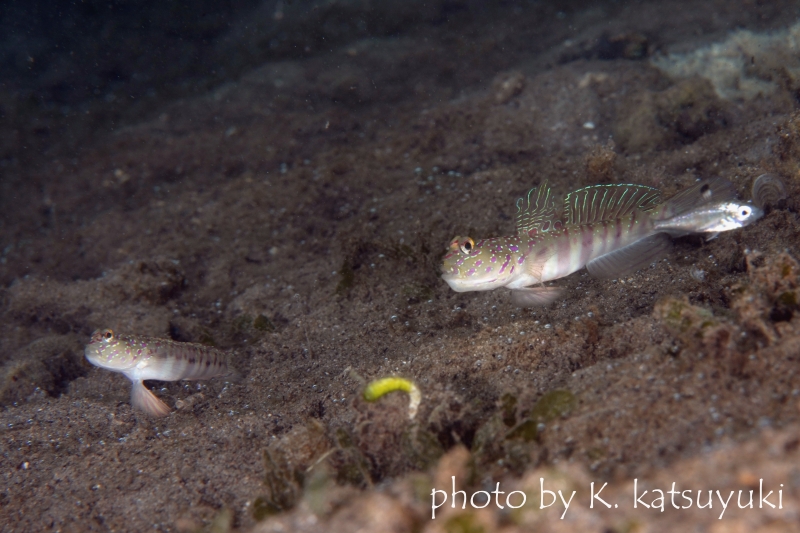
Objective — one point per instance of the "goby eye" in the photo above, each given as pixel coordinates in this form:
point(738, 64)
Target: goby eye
point(467, 245)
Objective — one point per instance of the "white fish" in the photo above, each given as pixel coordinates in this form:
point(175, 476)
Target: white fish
point(141, 358)
point(610, 229)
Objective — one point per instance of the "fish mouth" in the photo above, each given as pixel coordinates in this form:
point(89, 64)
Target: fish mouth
point(102, 362)
point(453, 281)
point(464, 285)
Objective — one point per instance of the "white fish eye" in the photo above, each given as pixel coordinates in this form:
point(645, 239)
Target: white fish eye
point(467, 245)
point(745, 211)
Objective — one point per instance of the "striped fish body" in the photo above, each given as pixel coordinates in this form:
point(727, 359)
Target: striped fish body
point(572, 248)
point(141, 358)
point(609, 229)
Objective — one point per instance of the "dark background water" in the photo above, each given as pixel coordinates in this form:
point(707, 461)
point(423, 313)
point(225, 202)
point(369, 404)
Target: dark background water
point(69, 70)
point(72, 68)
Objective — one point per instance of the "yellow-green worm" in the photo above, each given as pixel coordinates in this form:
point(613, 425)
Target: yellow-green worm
point(380, 387)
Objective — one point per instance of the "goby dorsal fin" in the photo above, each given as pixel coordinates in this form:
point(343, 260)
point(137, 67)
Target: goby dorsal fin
point(608, 202)
point(536, 212)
